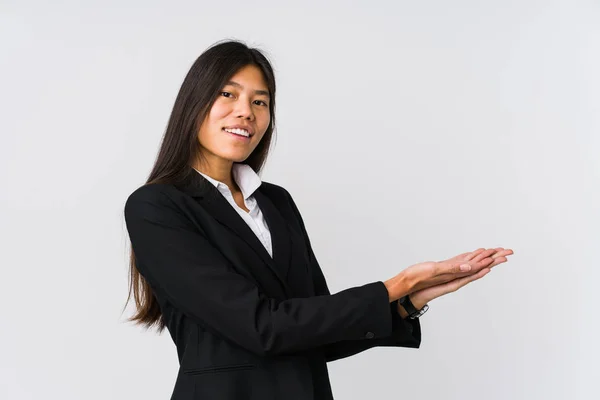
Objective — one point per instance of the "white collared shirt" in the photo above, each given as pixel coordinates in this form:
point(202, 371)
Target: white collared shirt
point(248, 181)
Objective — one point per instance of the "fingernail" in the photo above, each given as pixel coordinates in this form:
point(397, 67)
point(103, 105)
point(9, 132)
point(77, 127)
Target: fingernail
point(465, 267)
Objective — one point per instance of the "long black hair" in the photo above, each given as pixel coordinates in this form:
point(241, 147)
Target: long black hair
point(180, 148)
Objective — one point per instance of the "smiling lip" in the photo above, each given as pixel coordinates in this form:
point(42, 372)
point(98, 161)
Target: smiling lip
point(246, 128)
point(239, 137)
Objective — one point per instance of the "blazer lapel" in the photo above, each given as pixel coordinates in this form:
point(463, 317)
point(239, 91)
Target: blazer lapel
point(280, 235)
point(213, 201)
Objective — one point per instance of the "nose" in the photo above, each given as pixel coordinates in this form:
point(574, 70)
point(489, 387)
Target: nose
point(244, 109)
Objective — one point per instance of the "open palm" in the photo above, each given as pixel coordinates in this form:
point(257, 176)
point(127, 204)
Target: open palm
point(422, 296)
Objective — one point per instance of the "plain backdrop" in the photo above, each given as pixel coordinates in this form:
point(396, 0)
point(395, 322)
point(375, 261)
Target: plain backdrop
point(407, 131)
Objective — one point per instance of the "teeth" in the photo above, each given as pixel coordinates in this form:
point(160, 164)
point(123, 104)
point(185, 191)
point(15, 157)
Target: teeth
point(238, 131)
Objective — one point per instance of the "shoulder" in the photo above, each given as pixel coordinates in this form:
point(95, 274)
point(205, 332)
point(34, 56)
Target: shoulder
point(283, 197)
point(272, 189)
point(152, 192)
point(155, 196)
point(279, 194)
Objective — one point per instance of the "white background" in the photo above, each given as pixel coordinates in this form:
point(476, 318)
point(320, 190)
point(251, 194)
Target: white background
point(408, 131)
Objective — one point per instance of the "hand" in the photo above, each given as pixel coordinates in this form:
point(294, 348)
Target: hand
point(423, 296)
point(432, 273)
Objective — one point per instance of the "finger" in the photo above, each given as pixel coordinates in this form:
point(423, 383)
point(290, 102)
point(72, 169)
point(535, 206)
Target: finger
point(500, 258)
point(500, 251)
point(484, 254)
point(483, 260)
point(469, 254)
point(460, 257)
point(503, 252)
point(478, 260)
point(461, 269)
point(460, 282)
point(473, 254)
point(497, 261)
point(445, 271)
point(501, 255)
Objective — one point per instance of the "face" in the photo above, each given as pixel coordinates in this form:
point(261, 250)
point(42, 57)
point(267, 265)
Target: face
point(243, 103)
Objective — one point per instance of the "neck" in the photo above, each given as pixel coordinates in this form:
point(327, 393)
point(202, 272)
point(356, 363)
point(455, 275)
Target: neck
point(221, 171)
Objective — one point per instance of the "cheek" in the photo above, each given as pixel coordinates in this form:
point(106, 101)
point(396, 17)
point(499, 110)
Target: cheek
point(218, 112)
point(265, 119)
point(214, 120)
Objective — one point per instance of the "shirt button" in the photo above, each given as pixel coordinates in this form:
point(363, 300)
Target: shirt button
point(370, 335)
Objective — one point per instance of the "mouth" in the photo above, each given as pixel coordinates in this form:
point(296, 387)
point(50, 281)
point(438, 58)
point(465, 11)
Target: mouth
point(239, 134)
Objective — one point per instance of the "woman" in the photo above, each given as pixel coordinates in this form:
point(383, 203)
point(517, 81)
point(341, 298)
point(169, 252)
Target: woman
point(223, 259)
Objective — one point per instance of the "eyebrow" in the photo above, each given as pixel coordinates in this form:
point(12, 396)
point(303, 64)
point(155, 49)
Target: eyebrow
point(259, 92)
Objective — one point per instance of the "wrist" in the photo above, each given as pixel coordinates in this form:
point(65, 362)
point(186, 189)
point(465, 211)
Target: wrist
point(402, 311)
point(418, 301)
point(408, 307)
point(397, 287)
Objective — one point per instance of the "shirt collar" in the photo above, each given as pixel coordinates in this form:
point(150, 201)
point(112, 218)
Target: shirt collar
point(244, 176)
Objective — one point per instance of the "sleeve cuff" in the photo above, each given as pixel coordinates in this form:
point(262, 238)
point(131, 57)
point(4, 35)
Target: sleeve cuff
point(405, 331)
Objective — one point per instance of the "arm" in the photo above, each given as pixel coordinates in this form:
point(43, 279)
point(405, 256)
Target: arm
point(184, 268)
point(404, 333)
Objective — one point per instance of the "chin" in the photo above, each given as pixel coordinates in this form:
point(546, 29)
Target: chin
point(236, 157)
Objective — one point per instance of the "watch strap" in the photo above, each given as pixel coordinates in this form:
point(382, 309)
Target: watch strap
point(412, 311)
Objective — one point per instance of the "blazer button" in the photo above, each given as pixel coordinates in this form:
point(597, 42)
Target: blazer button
point(370, 335)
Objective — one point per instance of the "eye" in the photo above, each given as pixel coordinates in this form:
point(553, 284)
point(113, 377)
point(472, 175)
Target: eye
point(226, 93)
point(260, 101)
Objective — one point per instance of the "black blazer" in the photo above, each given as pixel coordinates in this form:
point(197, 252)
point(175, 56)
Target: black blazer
point(248, 326)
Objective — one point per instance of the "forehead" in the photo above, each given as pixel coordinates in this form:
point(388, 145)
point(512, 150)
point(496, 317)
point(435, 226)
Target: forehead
point(249, 78)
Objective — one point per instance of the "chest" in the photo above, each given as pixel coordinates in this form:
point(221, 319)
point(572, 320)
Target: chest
point(238, 197)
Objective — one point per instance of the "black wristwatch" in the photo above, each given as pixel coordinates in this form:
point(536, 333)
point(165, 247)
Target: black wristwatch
point(411, 309)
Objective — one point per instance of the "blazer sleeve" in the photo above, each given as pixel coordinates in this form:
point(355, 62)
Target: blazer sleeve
point(405, 333)
point(184, 268)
